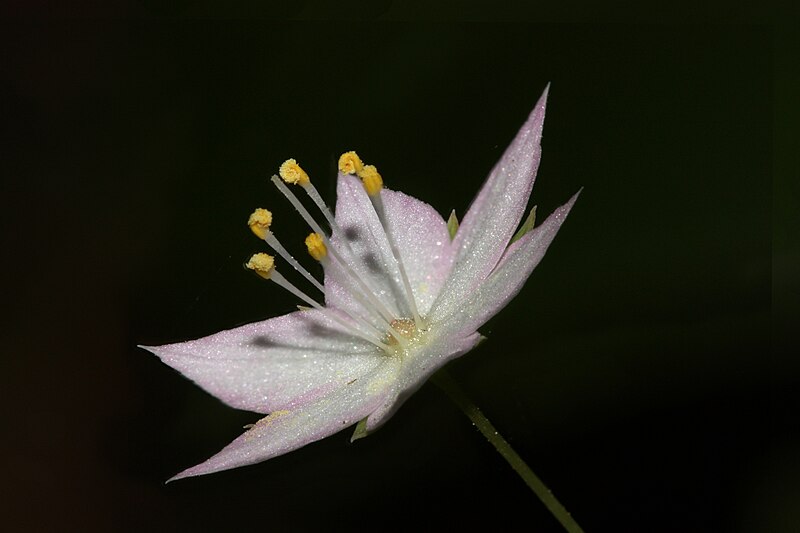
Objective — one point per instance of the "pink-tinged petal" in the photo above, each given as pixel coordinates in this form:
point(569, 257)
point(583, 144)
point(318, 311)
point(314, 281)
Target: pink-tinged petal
point(417, 368)
point(421, 237)
point(508, 278)
point(423, 240)
point(286, 430)
point(494, 214)
point(276, 364)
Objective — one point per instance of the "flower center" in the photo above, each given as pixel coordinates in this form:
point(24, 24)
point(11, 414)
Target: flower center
point(404, 337)
point(405, 327)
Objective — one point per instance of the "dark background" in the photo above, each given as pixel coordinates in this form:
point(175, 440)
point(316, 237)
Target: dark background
point(633, 372)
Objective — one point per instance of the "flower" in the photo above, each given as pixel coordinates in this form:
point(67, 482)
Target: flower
point(402, 298)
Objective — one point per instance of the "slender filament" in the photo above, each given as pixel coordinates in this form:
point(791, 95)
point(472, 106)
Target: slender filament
point(278, 247)
point(368, 292)
point(377, 203)
point(289, 286)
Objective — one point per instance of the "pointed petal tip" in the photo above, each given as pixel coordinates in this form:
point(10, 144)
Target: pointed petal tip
point(189, 472)
point(541, 104)
point(564, 210)
point(158, 351)
point(545, 93)
point(536, 117)
point(152, 349)
point(575, 196)
point(176, 477)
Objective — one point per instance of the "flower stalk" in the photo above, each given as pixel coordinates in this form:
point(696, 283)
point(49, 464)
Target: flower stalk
point(449, 386)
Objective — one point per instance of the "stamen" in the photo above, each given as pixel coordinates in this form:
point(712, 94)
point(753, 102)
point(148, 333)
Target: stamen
point(373, 183)
point(259, 222)
point(319, 240)
point(377, 305)
point(316, 246)
point(369, 293)
point(372, 303)
point(297, 205)
point(318, 250)
point(291, 172)
point(286, 284)
point(350, 163)
point(317, 199)
point(264, 265)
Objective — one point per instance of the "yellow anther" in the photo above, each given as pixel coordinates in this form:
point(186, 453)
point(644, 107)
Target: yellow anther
point(291, 172)
point(316, 246)
point(259, 222)
point(350, 163)
point(262, 264)
point(373, 182)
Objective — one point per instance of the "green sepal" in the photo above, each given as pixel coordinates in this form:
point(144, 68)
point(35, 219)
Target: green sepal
point(452, 224)
point(361, 430)
point(526, 226)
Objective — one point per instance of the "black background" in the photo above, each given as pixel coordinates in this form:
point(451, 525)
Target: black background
point(632, 372)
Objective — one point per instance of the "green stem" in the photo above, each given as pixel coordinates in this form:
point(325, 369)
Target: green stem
point(444, 381)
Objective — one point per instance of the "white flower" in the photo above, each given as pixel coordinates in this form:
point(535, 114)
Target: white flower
point(401, 300)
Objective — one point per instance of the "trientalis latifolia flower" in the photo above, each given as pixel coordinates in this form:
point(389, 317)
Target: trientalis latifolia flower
point(401, 298)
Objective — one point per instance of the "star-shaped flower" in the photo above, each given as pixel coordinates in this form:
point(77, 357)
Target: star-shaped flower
point(401, 299)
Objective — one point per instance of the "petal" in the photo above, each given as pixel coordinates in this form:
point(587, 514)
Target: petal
point(424, 243)
point(276, 364)
point(494, 214)
point(421, 237)
point(508, 278)
point(287, 430)
point(417, 368)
